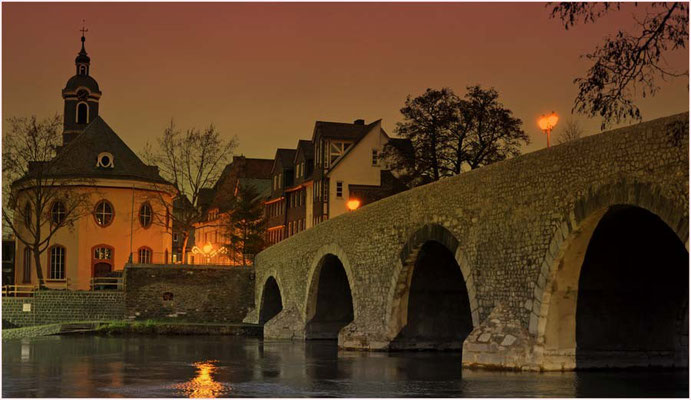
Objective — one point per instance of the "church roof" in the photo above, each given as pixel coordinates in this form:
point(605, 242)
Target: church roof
point(79, 158)
point(78, 81)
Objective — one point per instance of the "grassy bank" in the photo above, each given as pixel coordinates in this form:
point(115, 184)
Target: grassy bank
point(153, 327)
point(148, 327)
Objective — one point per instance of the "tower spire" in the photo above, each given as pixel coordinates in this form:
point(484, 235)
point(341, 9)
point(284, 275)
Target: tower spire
point(83, 61)
point(83, 31)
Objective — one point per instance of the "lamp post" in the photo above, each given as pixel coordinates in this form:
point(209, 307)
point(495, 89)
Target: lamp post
point(547, 123)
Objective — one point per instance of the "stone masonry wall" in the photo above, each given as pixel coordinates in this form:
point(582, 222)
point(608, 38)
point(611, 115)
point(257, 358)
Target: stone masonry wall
point(189, 294)
point(509, 220)
point(53, 306)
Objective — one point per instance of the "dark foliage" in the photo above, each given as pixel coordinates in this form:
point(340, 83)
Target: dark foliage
point(447, 134)
point(627, 64)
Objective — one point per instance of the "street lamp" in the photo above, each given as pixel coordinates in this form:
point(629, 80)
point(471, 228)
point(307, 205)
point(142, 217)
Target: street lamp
point(547, 123)
point(208, 251)
point(353, 204)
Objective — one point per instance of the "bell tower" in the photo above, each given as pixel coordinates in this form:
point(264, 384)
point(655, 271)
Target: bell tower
point(81, 96)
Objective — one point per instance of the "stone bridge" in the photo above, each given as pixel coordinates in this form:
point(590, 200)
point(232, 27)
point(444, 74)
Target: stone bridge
point(570, 257)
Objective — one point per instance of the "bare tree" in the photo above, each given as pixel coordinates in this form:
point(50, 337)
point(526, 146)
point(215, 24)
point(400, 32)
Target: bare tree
point(572, 131)
point(36, 202)
point(192, 161)
point(627, 64)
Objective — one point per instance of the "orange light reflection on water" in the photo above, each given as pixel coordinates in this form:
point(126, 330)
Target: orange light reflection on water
point(203, 385)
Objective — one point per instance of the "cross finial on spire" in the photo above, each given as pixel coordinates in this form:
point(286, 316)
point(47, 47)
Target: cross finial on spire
point(83, 30)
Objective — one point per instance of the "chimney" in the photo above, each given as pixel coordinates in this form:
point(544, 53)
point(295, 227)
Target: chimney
point(359, 122)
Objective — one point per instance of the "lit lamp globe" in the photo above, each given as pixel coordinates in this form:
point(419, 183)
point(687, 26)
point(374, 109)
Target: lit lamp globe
point(547, 123)
point(207, 248)
point(353, 204)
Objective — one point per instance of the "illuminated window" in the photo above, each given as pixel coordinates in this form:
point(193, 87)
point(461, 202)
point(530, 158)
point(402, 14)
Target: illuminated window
point(145, 215)
point(144, 254)
point(103, 213)
point(103, 253)
point(57, 263)
point(57, 213)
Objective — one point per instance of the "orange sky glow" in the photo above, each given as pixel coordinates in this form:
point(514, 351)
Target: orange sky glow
point(266, 71)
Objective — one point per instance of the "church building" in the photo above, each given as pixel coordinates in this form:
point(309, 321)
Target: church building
point(129, 203)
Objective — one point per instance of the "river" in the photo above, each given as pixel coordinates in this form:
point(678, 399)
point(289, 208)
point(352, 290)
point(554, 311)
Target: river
point(224, 366)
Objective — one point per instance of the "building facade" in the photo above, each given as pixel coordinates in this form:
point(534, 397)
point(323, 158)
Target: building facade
point(339, 169)
point(211, 238)
point(126, 202)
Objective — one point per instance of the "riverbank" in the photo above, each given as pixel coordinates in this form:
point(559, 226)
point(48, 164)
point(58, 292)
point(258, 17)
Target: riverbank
point(149, 327)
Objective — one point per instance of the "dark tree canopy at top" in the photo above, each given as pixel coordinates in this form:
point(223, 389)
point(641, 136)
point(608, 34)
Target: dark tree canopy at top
point(627, 64)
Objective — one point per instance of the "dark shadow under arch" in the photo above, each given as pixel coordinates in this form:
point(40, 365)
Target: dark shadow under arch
point(271, 302)
point(333, 307)
point(438, 315)
point(632, 302)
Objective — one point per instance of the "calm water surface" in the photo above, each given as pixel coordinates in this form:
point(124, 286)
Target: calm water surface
point(208, 366)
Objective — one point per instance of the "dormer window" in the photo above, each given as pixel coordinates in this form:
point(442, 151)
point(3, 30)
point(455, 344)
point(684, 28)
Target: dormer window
point(105, 160)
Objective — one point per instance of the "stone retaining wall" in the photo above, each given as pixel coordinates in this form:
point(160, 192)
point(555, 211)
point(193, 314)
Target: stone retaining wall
point(193, 294)
point(56, 306)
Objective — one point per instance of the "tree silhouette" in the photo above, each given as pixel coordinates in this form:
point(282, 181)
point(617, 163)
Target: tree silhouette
point(572, 131)
point(626, 64)
point(447, 134)
point(192, 161)
point(37, 203)
point(246, 225)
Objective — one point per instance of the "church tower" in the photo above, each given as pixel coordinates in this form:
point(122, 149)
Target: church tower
point(81, 96)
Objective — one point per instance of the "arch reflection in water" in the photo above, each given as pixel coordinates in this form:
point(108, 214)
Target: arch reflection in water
point(203, 385)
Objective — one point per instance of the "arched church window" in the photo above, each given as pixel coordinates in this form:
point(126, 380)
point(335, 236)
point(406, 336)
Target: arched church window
point(145, 215)
point(103, 213)
point(82, 70)
point(82, 113)
point(57, 212)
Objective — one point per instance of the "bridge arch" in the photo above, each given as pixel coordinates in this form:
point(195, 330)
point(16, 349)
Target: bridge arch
point(271, 300)
point(585, 276)
point(432, 279)
point(331, 296)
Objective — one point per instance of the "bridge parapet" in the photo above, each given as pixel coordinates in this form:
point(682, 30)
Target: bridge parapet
point(508, 227)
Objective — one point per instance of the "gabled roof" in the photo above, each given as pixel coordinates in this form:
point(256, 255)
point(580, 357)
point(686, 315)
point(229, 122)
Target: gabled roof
point(307, 149)
point(339, 130)
point(79, 158)
point(368, 129)
point(259, 168)
point(241, 171)
point(284, 157)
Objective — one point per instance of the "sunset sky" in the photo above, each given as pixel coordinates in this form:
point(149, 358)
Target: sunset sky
point(266, 71)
